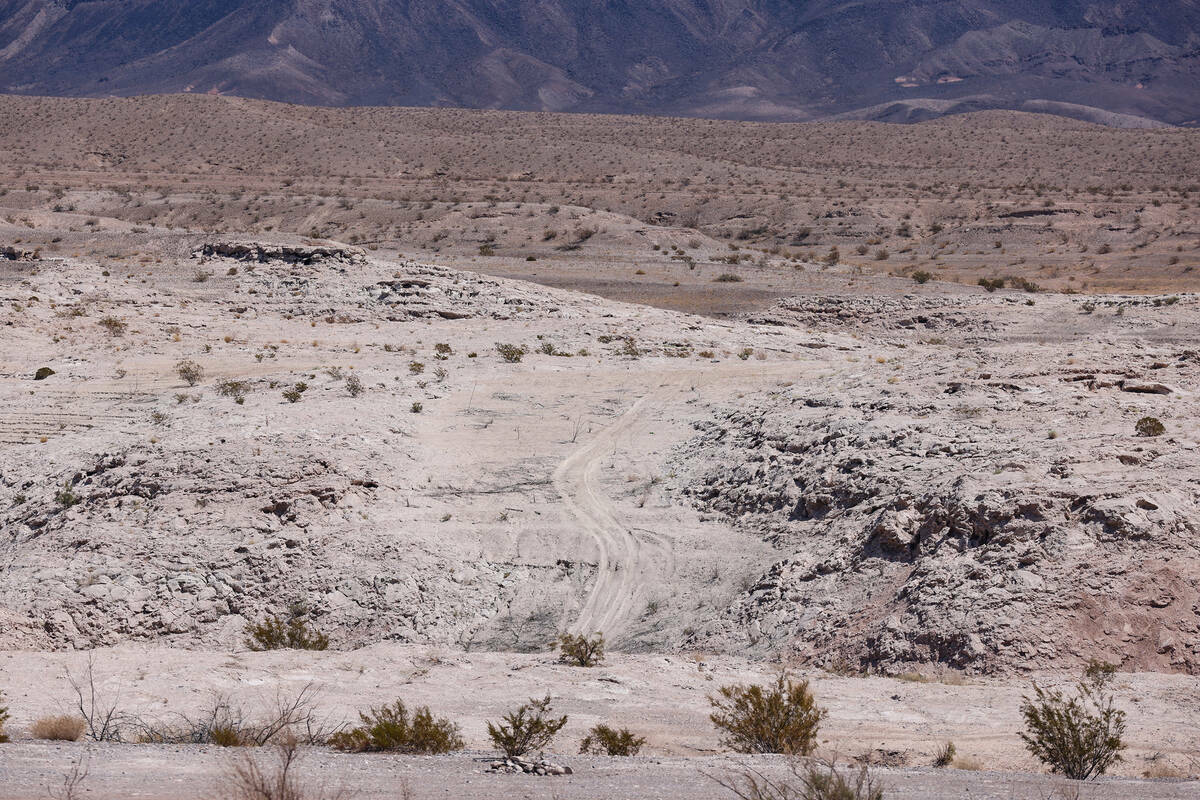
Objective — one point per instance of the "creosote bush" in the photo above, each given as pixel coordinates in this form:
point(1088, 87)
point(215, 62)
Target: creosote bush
point(782, 718)
point(61, 728)
point(392, 729)
point(531, 727)
point(581, 650)
point(354, 385)
point(921, 276)
point(1150, 426)
point(190, 372)
point(512, 353)
point(1080, 736)
point(274, 633)
point(603, 740)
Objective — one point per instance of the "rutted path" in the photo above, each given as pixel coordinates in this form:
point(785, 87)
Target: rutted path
point(628, 563)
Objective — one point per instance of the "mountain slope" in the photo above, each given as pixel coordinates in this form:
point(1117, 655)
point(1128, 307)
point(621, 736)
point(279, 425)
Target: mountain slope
point(729, 58)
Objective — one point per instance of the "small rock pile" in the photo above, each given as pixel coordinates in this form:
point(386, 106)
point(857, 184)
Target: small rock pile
point(515, 765)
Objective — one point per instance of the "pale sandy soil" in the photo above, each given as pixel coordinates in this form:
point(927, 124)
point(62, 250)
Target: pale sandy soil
point(661, 697)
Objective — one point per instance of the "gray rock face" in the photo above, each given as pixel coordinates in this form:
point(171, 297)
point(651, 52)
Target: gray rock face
point(933, 517)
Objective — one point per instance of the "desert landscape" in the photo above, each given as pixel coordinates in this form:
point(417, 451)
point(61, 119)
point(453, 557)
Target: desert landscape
point(904, 411)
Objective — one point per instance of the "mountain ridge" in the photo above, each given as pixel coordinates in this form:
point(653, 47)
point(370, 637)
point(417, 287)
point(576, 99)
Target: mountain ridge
point(738, 59)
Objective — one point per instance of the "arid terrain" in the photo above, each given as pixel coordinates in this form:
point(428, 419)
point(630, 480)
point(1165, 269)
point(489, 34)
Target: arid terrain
point(448, 384)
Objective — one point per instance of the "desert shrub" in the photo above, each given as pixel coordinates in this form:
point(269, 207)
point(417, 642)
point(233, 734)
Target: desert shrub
point(1025, 285)
point(512, 353)
point(581, 650)
point(530, 727)
point(3, 719)
point(248, 778)
point(66, 496)
point(603, 740)
point(416, 407)
point(354, 385)
point(945, 755)
point(809, 780)
point(882, 254)
point(292, 395)
point(114, 326)
point(992, 284)
point(783, 718)
point(1099, 673)
point(1149, 426)
point(921, 276)
point(487, 250)
point(1080, 736)
point(294, 633)
point(728, 277)
point(416, 367)
point(61, 728)
point(227, 725)
point(190, 372)
point(390, 728)
point(442, 351)
point(42, 373)
point(235, 389)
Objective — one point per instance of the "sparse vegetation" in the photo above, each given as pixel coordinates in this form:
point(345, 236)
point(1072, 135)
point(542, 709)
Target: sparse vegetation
point(511, 353)
point(531, 727)
point(189, 372)
point(580, 650)
point(605, 740)
point(945, 755)
point(922, 276)
point(783, 718)
point(809, 780)
point(114, 326)
point(293, 633)
point(354, 385)
point(393, 729)
point(1080, 736)
point(59, 728)
point(3, 719)
point(1150, 426)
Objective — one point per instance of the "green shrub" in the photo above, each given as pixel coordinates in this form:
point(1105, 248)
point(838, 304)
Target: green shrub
point(294, 633)
point(235, 389)
point(190, 372)
point(530, 727)
point(728, 277)
point(603, 740)
point(1080, 736)
point(42, 373)
point(992, 284)
point(783, 718)
point(3, 719)
point(1149, 426)
point(581, 650)
point(66, 496)
point(292, 395)
point(921, 276)
point(512, 353)
point(390, 729)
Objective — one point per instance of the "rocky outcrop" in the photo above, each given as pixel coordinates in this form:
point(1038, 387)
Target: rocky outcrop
point(259, 253)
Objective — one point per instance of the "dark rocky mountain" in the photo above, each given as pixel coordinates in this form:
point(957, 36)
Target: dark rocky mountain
point(1115, 61)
